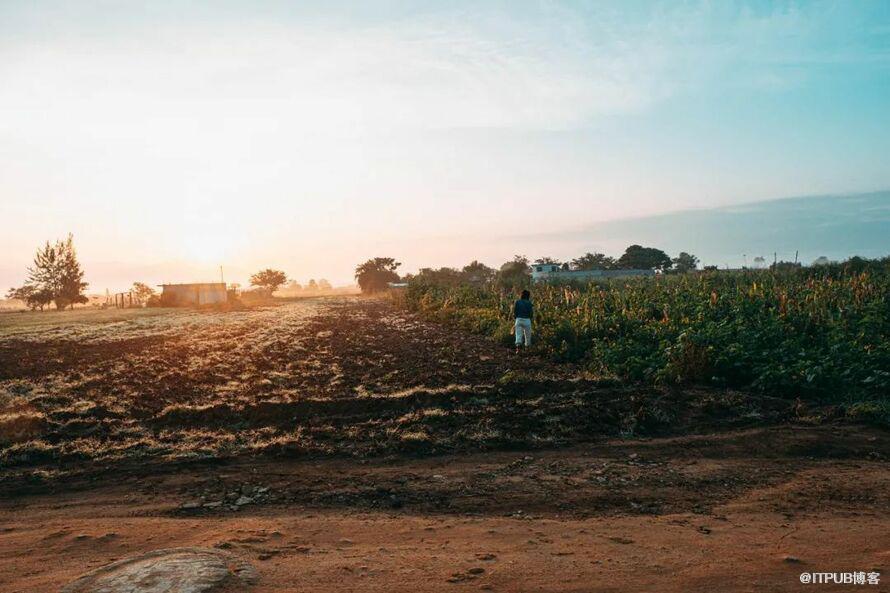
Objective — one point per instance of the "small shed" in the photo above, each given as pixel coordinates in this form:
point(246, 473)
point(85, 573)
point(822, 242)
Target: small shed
point(198, 293)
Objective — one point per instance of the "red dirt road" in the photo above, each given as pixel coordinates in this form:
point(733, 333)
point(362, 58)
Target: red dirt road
point(748, 515)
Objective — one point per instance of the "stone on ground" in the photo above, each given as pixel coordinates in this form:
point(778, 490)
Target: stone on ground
point(176, 570)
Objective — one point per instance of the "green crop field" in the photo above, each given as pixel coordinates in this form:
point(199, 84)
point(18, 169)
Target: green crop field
point(820, 334)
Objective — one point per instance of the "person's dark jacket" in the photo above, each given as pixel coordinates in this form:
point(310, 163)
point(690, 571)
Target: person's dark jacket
point(522, 309)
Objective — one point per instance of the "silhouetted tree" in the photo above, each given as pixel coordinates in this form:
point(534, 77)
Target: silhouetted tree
point(685, 262)
point(441, 276)
point(476, 272)
point(515, 272)
point(55, 276)
point(593, 261)
point(785, 266)
point(142, 291)
point(71, 282)
point(637, 257)
point(545, 260)
point(268, 279)
point(33, 297)
point(375, 274)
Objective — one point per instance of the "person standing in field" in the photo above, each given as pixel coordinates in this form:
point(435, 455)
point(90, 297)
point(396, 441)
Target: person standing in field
point(522, 312)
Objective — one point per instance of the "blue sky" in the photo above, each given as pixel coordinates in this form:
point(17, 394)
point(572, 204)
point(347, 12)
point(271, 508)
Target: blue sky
point(310, 136)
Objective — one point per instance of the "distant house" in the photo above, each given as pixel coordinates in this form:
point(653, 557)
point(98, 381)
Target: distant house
point(200, 293)
point(546, 272)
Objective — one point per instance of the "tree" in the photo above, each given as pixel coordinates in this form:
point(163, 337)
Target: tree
point(71, 284)
point(515, 272)
point(142, 291)
point(33, 297)
point(685, 262)
point(785, 266)
point(55, 276)
point(545, 260)
point(375, 274)
point(440, 277)
point(821, 261)
point(594, 261)
point(759, 261)
point(269, 280)
point(637, 257)
point(324, 284)
point(476, 272)
point(312, 285)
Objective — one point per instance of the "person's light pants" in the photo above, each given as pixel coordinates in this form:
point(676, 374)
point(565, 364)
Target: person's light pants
point(523, 331)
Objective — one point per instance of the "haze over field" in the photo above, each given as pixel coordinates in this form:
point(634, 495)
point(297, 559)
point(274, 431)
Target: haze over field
point(171, 139)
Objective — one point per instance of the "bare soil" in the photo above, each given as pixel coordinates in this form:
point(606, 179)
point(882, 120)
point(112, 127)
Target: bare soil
point(339, 444)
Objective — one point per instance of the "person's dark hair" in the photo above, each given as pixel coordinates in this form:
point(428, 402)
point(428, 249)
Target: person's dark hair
point(526, 294)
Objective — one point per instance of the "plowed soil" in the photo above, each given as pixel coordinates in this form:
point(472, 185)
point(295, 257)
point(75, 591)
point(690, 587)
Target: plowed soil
point(340, 444)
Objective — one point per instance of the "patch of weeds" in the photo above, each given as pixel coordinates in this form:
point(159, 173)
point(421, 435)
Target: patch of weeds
point(871, 412)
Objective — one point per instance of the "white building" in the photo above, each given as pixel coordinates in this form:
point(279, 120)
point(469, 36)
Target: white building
point(547, 272)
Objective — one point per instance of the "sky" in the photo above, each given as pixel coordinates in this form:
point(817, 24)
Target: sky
point(174, 137)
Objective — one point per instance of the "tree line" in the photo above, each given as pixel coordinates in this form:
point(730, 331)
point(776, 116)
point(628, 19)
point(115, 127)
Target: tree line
point(378, 273)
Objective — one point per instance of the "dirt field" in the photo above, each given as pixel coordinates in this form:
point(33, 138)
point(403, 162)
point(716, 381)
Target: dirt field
point(339, 444)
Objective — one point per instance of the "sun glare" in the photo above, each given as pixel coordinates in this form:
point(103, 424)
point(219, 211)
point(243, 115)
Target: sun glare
point(207, 248)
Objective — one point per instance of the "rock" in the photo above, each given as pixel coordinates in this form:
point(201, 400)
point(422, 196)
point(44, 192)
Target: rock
point(243, 500)
point(476, 570)
point(213, 505)
point(177, 570)
point(191, 505)
point(791, 559)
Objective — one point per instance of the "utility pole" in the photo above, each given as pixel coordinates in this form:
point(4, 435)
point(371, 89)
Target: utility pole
point(221, 279)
